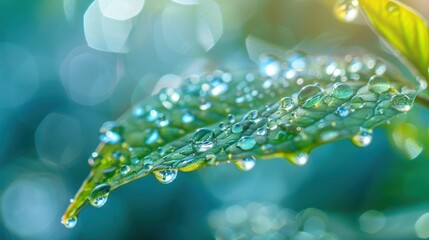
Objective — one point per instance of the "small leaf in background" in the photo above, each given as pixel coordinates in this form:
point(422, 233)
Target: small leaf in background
point(403, 29)
point(293, 104)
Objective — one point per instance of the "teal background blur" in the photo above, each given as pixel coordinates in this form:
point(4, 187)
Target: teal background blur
point(56, 91)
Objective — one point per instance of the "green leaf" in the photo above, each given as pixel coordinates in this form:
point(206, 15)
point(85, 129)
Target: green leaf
point(288, 109)
point(403, 29)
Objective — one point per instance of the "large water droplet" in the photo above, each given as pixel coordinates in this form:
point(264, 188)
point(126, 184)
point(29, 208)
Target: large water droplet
point(310, 95)
point(378, 84)
point(166, 176)
point(237, 128)
point(363, 138)
point(286, 104)
point(269, 65)
point(246, 143)
point(246, 164)
point(347, 10)
point(98, 196)
point(254, 116)
point(401, 103)
point(203, 140)
point(342, 91)
point(70, 223)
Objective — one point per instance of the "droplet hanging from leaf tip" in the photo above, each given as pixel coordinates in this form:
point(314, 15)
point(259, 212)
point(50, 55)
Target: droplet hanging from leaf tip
point(346, 10)
point(363, 138)
point(99, 195)
point(166, 176)
point(246, 164)
point(70, 222)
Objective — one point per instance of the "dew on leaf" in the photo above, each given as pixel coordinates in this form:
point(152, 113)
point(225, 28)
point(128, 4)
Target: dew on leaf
point(237, 128)
point(246, 143)
point(70, 222)
point(363, 138)
point(357, 102)
point(246, 164)
point(254, 116)
point(378, 84)
point(125, 169)
point(342, 111)
point(286, 104)
point(392, 7)
point(203, 140)
point(300, 158)
point(261, 131)
point(99, 195)
point(166, 176)
point(342, 91)
point(401, 103)
point(310, 95)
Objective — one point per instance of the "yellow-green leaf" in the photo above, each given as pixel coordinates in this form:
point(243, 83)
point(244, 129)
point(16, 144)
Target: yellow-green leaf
point(403, 28)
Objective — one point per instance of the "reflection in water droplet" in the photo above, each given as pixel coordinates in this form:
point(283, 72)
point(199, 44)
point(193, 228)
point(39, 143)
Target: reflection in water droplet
point(401, 103)
point(166, 176)
point(246, 143)
point(342, 112)
point(357, 102)
point(246, 164)
point(70, 223)
point(347, 10)
point(378, 84)
point(363, 138)
point(125, 169)
point(99, 195)
point(254, 116)
point(237, 128)
point(342, 91)
point(203, 140)
point(300, 159)
point(286, 104)
point(310, 95)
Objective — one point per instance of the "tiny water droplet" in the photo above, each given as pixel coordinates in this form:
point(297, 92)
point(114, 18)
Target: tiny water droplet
point(357, 102)
point(269, 65)
point(70, 222)
point(342, 112)
point(203, 140)
point(401, 103)
point(342, 91)
point(222, 126)
point(310, 95)
point(125, 169)
point(166, 176)
point(392, 7)
point(98, 196)
point(246, 143)
point(272, 124)
point(363, 138)
point(378, 84)
point(286, 104)
point(347, 10)
point(300, 159)
point(246, 164)
point(237, 128)
point(254, 116)
point(187, 118)
point(231, 118)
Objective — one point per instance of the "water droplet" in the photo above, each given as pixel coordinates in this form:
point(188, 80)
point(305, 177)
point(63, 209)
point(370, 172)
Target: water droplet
point(272, 124)
point(166, 176)
point(261, 131)
point(237, 128)
point(205, 106)
point(342, 91)
point(125, 169)
point(378, 84)
point(310, 95)
point(357, 102)
point(231, 118)
point(342, 112)
point(286, 104)
point(347, 10)
point(110, 137)
point(246, 143)
point(222, 126)
point(152, 116)
point(269, 65)
point(300, 159)
point(254, 116)
point(70, 222)
point(392, 7)
point(401, 103)
point(99, 194)
point(363, 138)
point(246, 164)
point(187, 118)
point(211, 159)
point(203, 140)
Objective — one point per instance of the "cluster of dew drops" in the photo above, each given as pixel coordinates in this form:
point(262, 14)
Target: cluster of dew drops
point(271, 69)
